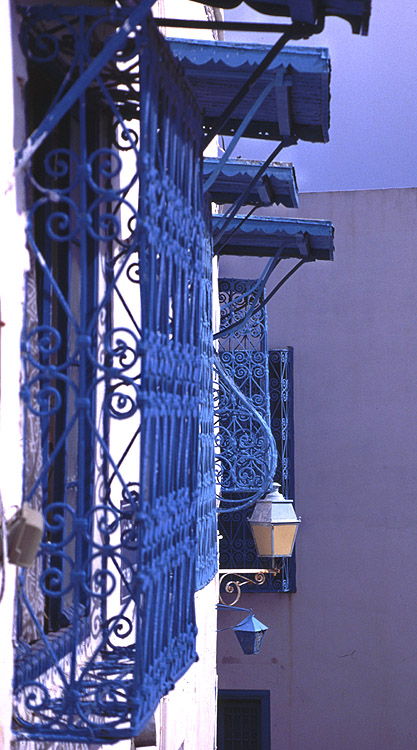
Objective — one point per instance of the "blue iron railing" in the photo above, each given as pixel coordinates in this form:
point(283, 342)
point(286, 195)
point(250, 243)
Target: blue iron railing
point(117, 354)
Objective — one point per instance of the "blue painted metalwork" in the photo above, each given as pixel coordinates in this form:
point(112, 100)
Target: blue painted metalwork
point(281, 394)
point(246, 456)
point(357, 13)
point(207, 552)
point(117, 357)
point(259, 236)
point(250, 632)
point(296, 105)
point(277, 185)
point(237, 547)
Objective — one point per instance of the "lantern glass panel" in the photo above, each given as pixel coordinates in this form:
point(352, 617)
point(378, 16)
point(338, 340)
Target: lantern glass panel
point(263, 539)
point(284, 536)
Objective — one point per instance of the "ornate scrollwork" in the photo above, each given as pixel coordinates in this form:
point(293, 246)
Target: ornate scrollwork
point(231, 582)
point(117, 388)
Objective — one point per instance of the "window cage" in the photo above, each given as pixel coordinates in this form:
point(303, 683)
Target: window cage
point(117, 389)
point(265, 379)
point(246, 450)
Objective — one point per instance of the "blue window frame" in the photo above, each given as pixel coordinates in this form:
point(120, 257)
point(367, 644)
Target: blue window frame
point(243, 721)
point(266, 379)
point(117, 397)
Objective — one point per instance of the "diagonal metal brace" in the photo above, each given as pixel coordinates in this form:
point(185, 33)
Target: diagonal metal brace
point(113, 45)
point(295, 31)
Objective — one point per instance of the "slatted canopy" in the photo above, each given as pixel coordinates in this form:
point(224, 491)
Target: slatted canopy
point(356, 12)
point(296, 103)
point(262, 236)
point(277, 184)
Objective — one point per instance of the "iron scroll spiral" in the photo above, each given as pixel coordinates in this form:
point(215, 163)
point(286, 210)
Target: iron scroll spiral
point(270, 455)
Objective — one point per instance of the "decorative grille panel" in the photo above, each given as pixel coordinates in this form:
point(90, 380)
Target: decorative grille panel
point(118, 400)
point(266, 380)
point(243, 439)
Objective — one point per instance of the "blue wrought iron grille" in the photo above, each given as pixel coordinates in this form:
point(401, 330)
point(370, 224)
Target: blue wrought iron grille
point(117, 389)
point(281, 397)
point(266, 380)
point(207, 554)
point(244, 449)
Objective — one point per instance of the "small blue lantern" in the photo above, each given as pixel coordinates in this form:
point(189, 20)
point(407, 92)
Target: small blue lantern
point(250, 634)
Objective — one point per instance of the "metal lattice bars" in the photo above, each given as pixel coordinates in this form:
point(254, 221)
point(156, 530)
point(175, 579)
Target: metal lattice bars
point(255, 445)
point(117, 354)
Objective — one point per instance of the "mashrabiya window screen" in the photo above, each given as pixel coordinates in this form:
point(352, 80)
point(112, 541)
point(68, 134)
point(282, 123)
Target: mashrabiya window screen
point(266, 378)
point(116, 355)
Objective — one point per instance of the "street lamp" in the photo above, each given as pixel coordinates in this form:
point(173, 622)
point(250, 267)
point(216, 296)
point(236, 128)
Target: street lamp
point(250, 634)
point(274, 525)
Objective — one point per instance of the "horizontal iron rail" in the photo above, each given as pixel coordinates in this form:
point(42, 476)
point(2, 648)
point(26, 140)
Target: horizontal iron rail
point(245, 571)
point(182, 23)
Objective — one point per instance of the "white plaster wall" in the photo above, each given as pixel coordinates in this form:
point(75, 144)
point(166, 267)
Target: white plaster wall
point(188, 713)
point(340, 656)
point(13, 260)
point(186, 717)
point(182, 9)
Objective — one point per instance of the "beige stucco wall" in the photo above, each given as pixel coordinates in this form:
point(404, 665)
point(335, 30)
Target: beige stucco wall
point(340, 655)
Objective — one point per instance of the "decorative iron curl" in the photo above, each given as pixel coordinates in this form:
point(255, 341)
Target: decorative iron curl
point(129, 137)
point(35, 699)
point(59, 164)
point(119, 627)
point(52, 580)
point(47, 397)
point(234, 586)
point(105, 519)
point(124, 346)
point(102, 582)
point(133, 272)
point(62, 225)
point(109, 225)
point(56, 523)
point(122, 405)
point(271, 451)
point(43, 46)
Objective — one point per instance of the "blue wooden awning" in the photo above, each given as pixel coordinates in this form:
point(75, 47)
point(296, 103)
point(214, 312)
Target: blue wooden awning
point(277, 184)
point(308, 239)
point(291, 96)
point(356, 12)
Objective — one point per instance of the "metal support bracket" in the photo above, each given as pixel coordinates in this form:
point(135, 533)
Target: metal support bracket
point(239, 578)
point(239, 132)
point(50, 121)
